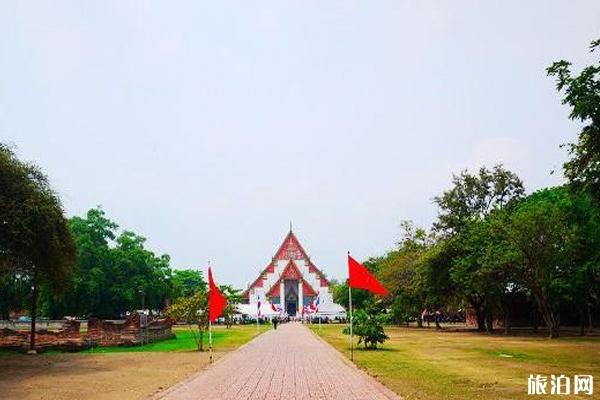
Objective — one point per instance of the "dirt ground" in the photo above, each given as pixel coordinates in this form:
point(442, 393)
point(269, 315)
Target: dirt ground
point(90, 376)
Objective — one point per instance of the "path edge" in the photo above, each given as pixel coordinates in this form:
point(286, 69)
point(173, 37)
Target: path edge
point(388, 392)
point(162, 393)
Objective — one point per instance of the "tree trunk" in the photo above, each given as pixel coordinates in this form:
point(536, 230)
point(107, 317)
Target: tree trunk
point(34, 298)
point(507, 321)
point(552, 321)
point(582, 321)
point(489, 321)
point(535, 321)
point(590, 324)
point(201, 341)
point(480, 319)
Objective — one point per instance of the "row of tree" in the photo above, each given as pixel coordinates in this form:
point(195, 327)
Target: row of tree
point(107, 274)
point(83, 266)
point(503, 255)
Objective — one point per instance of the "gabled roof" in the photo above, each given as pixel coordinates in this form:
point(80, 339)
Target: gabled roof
point(289, 249)
point(291, 271)
point(290, 245)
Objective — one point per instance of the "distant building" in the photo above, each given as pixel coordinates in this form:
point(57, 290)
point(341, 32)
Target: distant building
point(290, 280)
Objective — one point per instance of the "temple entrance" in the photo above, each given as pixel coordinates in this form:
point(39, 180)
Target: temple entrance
point(291, 296)
point(291, 308)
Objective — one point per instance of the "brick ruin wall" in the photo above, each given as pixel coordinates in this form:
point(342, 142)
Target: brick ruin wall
point(130, 332)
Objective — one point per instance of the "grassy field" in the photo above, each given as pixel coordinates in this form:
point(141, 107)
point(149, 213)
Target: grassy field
point(429, 364)
point(113, 372)
point(223, 340)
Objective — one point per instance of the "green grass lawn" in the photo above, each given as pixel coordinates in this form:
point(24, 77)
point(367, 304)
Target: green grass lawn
point(223, 339)
point(428, 364)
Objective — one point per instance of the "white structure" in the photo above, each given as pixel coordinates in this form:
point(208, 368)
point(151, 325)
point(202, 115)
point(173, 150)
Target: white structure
point(290, 280)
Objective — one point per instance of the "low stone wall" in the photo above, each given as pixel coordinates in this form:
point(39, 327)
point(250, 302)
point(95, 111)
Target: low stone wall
point(67, 338)
point(130, 332)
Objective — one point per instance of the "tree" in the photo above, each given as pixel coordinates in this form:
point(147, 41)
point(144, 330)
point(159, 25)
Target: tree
point(193, 311)
point(186, 282)
point(35, 240)
point(15, 289)
point(115, 273)
point(93, 273)
point(234, 298)
point(473, 197)
point(484, 268)
point(582, 94)
point(398, 273)
point(359, 297)
point(556, 234)
point(368, 326)
point(433, 275)
point(462, 209)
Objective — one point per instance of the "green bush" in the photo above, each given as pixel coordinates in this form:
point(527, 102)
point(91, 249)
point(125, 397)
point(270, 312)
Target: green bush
point(368, 326)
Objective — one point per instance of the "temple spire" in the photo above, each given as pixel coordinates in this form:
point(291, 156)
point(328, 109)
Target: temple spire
point(290, 225)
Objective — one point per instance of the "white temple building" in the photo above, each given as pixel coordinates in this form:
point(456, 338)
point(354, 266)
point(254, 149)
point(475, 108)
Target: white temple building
point(290, 283)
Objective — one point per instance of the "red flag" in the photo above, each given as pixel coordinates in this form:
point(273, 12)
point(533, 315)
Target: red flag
point(216, 301)
point(359, 277)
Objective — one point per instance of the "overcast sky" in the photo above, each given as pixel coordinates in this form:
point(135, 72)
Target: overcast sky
point(208, 127)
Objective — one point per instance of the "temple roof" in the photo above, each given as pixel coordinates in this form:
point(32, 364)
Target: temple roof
point(292, 272)
point(290, 249)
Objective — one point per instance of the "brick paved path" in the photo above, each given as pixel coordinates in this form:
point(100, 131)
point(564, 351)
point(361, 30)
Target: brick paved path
point(289, 363)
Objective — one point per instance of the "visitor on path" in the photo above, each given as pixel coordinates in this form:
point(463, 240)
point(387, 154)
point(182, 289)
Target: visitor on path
point(275, 322)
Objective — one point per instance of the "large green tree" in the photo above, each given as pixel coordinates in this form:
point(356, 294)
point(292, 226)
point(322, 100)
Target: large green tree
point(463, 208)
point(114, 273)
point(398, 271)
point(474, 196)
point(186, 282)
point(555, 232)
point(581, 92)
point(35, 240)
point(483, 269)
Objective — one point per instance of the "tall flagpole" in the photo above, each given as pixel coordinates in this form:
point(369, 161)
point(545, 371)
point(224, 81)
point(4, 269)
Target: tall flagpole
point(350, 306)
point(210, 342)
point(210, 346)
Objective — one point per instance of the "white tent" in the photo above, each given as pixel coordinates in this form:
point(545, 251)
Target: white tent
point(251, 310)
point(331, 310)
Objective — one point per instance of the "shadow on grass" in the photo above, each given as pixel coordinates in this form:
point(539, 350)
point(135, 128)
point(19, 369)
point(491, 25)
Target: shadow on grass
point(377, 350)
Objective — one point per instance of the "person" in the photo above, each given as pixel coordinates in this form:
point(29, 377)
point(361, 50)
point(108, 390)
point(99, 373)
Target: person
point(275, 322)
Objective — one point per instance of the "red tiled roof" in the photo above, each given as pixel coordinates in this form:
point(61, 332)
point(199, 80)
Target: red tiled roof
point(289, 249)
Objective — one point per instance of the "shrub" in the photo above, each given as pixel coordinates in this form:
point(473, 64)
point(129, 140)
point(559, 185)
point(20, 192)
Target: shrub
point(368, 326)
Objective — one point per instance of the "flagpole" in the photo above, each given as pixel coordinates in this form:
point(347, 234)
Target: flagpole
point(210, 343)
point(350, 307)
point(351, 333)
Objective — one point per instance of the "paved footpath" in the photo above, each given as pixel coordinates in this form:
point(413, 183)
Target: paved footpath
point(288, 363)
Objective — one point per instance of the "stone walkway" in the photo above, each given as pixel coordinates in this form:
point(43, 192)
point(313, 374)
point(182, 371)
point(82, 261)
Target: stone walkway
point(289, 363)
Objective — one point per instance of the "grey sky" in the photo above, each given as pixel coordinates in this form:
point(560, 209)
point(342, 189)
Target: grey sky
point(207, 127)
